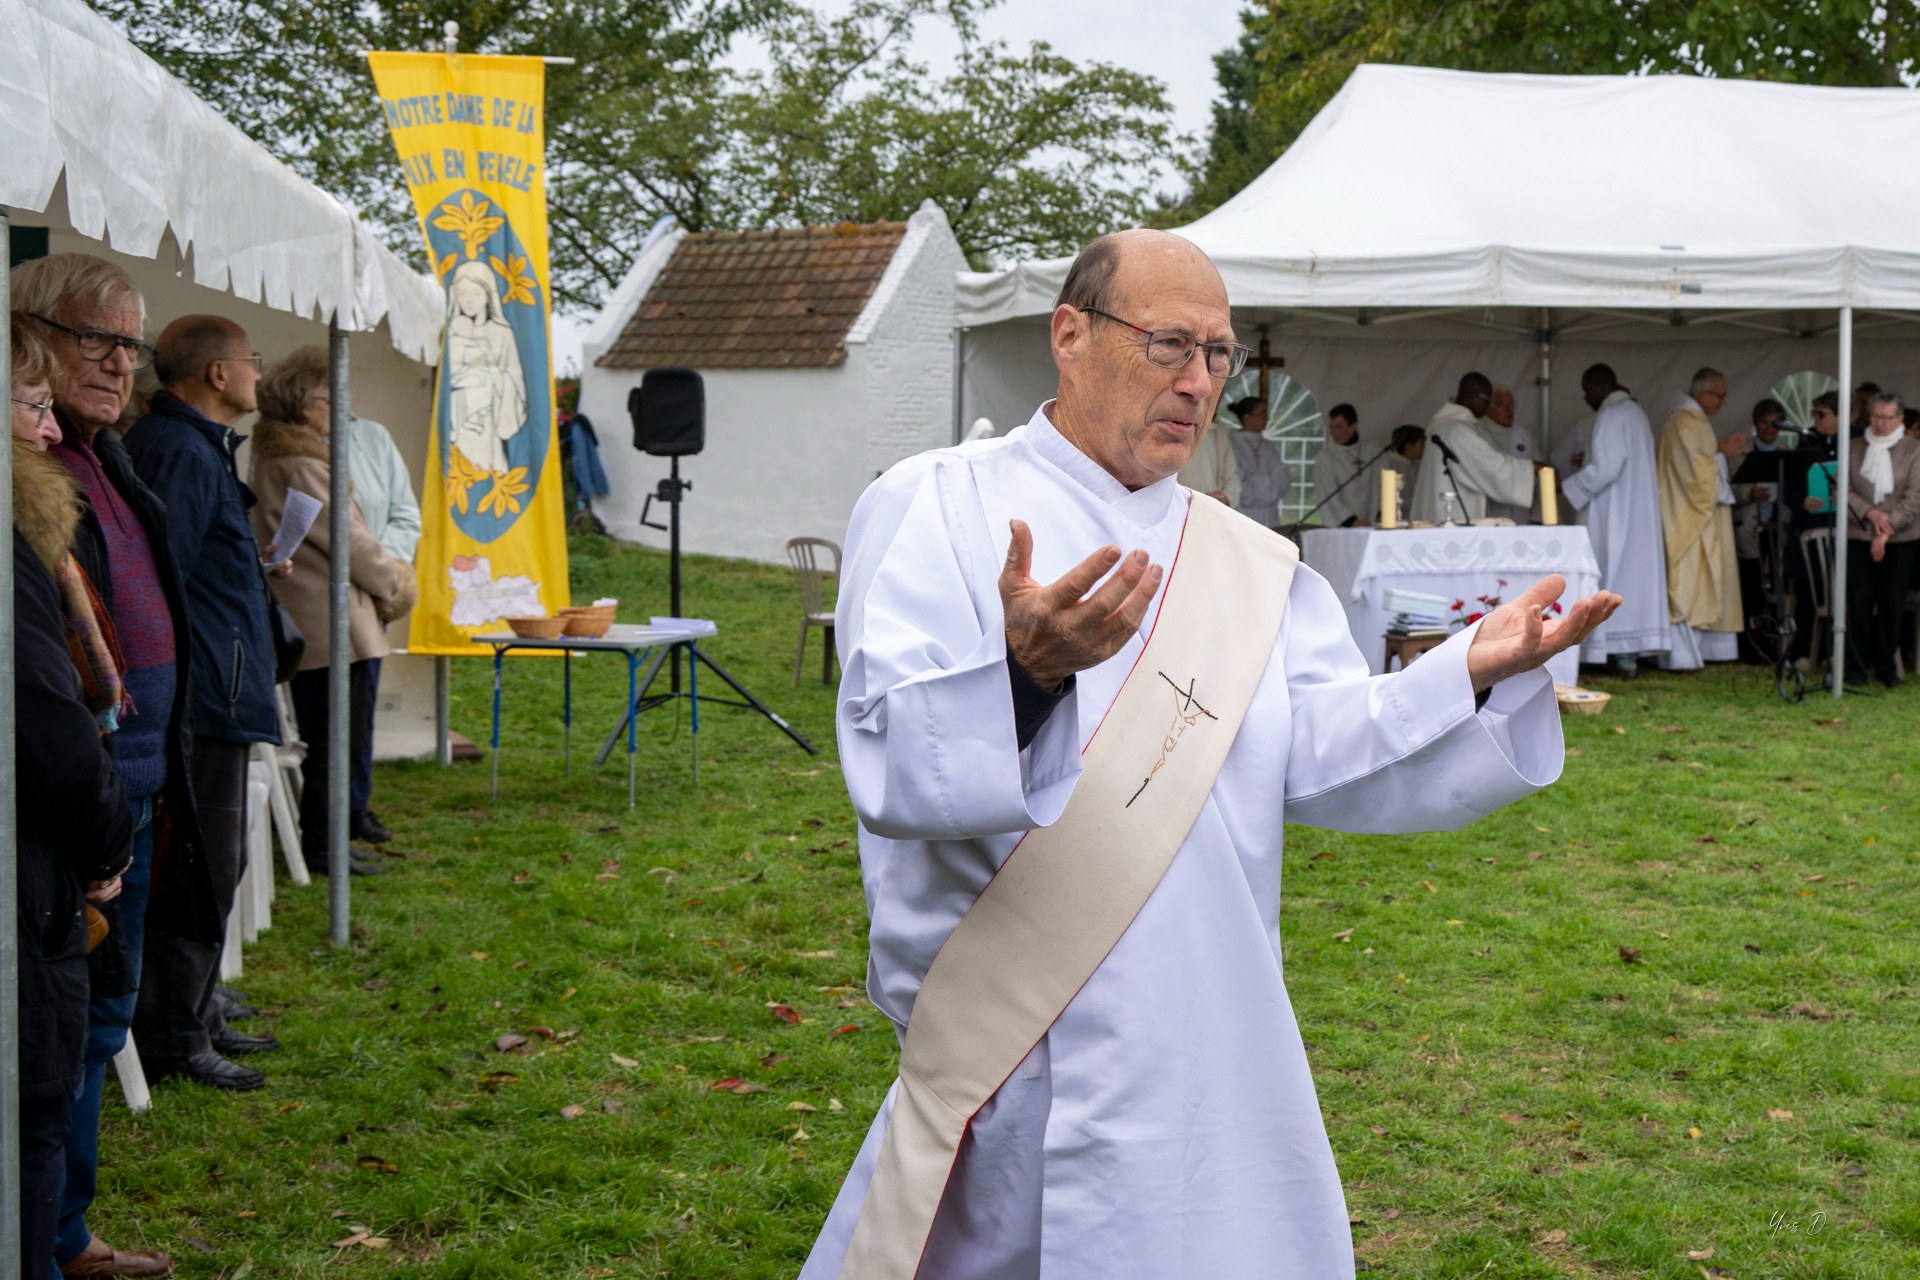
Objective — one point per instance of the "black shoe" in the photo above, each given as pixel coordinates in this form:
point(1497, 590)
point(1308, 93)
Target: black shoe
point(232, 1006)
point(231, 1044)
point(358, 866)
point(366, 825)
point(208, 1068)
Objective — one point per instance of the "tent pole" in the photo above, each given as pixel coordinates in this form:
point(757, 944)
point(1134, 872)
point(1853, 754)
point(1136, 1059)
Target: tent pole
point(9, 888)
point(1837, 599)
point(959, 376)
point(1546, 381)
point(443, 710)
point(339, 654)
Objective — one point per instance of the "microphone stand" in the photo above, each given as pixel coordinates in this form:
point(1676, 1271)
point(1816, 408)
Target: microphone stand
point(1446, 465)
point(1301, 523)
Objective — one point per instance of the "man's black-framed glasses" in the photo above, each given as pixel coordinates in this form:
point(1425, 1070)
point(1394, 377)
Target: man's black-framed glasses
point(1171, 349)
point(98, 345)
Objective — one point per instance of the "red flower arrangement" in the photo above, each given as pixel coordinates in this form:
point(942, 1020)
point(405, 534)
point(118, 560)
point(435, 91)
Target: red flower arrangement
point(1488, 603)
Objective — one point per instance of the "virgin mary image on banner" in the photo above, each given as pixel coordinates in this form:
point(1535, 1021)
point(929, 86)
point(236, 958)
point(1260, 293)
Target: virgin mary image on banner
point(488, 386)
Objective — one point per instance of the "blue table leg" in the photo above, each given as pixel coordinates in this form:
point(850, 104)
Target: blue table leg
point(693, 696)
point(566, 715)
point(498, 654)
point(633, 662)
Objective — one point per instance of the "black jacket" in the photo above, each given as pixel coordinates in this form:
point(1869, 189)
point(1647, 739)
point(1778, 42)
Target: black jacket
point(182, 900)
point(73, 828)
point(187, 461)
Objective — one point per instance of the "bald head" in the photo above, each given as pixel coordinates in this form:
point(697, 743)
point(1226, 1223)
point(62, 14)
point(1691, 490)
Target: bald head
point(208, 362)
point(1139, 420)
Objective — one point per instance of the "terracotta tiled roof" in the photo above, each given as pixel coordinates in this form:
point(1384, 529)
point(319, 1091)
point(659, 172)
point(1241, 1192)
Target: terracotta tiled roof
point(757, 299)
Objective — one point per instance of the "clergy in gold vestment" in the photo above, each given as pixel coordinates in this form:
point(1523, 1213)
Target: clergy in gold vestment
point(1696, 513)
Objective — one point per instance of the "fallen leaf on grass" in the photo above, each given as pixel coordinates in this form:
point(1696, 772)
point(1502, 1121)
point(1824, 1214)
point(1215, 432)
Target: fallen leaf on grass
point(1428, 886)
point(338, 1213)
point(1556, 1236)
point(1693, 1133)
point(1776, 1113)
point(841, 1031)
point(521, 877)
point(772, 1059)
point(1343, 935)
point(377, 1164)
point(1853, 1171)
point(612, 1106)
point(566, 1035)
point(783, 1013)
point(375, 1242)
point(347, 1242)
point(1456, 922)
point(816, 955)
point(1813, 879)
point(733, 1084)
point(806, 1108)
point(1619, 728)
point(1752, 948)
point(285, 1107)
point(478, 955)
point(519, 965)
point(1700, 1255)
point(1805, 1010)
point(622, 1062)
point(833, 1104)
point(509, 1042)
point(200, 1244)
point(1513, 1117)
point(246, 1213)
point(573, 1111)
point(373, 984)
point(492, 1081)
point(569, 993)
point(1630, 955)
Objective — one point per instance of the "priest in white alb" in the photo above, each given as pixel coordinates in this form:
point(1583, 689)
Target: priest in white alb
point(1696, 515)
point(1346, 499)
point(1502, 429)
point(1077, 707)
point(1462, 460)
point(1619, 501)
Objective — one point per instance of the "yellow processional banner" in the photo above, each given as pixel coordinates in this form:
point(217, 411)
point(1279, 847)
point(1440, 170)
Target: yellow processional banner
point(493, 543)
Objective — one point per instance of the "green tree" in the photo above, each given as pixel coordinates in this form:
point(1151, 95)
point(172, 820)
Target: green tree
point(1026, 152)
point(1297, 54)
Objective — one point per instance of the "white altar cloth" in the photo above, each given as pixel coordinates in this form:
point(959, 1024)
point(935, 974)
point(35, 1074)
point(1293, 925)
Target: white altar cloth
point(1459, 563)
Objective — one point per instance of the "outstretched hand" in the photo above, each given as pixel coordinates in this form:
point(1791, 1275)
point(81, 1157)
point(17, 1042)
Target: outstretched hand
point(1052, 631)
point(1516, 637)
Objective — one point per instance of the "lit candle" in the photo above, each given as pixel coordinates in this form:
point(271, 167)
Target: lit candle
point(1549, 497)
point(1389, 498)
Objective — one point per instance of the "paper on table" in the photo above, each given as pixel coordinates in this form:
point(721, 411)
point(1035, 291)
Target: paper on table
point(295, 519)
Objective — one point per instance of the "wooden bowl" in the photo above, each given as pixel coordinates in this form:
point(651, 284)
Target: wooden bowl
point(589, 611)
point(587, 628)
point(540, 628)
point(1584, 702)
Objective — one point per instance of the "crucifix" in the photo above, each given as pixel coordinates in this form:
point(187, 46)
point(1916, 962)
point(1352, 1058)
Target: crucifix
point(1264, 361)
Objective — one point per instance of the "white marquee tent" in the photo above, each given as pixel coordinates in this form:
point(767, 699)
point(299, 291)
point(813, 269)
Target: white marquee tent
point(1429, 222)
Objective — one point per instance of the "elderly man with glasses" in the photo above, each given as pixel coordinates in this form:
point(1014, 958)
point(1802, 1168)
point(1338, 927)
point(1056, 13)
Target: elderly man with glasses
point(183, 448)
point(92, 316)
point(1050, 643)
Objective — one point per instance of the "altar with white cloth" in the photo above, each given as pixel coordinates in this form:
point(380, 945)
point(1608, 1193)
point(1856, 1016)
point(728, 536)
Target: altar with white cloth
point(1459, 562)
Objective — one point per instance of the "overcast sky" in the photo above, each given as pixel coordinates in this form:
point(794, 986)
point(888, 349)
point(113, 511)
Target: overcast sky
point(1174, 44)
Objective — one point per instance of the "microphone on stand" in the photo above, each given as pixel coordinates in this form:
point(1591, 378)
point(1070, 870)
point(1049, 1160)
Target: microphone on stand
point(1293, 530)
point(1447, 458)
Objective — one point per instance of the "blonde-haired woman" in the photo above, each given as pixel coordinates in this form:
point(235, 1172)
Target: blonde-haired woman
point(292, 450)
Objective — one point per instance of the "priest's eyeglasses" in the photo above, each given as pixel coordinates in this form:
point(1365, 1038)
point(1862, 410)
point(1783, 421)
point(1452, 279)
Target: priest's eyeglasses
point(98, 345)
point(1171, 349)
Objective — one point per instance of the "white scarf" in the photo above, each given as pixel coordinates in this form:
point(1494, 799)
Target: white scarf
point(1877, 467)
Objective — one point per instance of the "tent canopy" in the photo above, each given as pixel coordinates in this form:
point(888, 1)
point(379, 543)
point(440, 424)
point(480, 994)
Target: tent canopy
point(142, 155)
point(1421, 188)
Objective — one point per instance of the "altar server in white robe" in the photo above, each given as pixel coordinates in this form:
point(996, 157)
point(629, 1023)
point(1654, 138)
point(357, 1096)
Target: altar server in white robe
point(1502, 429)
point(1339, 462)
point(1619, 497)
point(1265, 477)
point(1481, 473)
point(1166, 1124)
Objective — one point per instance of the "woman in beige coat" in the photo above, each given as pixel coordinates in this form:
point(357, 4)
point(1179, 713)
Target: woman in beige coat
point(291, 450)
point(1883, 534)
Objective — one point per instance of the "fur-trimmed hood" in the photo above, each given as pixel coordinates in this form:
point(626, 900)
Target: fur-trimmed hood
point(47, 506)
point(275, 439)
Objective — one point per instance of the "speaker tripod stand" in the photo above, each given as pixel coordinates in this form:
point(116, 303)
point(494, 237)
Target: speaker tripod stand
point(671, 491)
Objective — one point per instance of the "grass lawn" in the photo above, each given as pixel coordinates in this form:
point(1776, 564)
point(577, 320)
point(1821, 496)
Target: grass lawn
point(1670, 1005)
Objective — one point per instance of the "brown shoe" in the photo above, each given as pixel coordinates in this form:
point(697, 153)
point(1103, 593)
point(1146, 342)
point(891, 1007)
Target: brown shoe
point(101, 1259)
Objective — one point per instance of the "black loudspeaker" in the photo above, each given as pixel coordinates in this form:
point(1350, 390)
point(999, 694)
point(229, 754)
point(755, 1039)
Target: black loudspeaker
point(669, 412)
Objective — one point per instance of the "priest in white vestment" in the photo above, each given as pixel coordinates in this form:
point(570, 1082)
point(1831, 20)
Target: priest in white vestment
point(1618, 497)
point(994, 600)
point(1265, 477)
point(1339, 465)
point(1502, 429)
point(1480, 473)
point(1696, 515)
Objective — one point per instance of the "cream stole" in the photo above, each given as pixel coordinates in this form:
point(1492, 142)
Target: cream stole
point(1067, 893)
